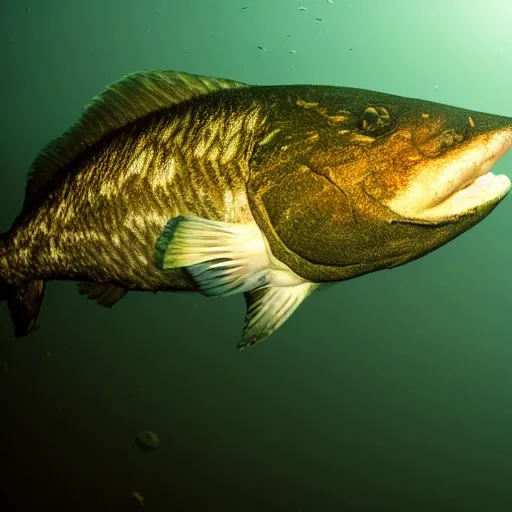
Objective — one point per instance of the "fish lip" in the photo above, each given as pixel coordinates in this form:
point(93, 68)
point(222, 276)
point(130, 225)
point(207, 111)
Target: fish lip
point(471, 170)
point(446, 189)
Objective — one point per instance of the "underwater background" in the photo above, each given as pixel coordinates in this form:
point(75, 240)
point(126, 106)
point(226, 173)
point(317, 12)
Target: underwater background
point(390, 392)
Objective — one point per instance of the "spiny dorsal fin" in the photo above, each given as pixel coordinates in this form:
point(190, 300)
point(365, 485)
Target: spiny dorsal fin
point(103, 293)
point(121, 103)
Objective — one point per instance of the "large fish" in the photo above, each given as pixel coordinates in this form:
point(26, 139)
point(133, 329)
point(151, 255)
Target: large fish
point(171, 181)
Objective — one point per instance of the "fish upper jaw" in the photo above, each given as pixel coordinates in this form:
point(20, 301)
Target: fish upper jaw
point(456, 185)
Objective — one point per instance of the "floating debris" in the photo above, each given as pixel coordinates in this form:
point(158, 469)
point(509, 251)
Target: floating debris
point(331, 2)
point(288, 35)
point(147, 440)
point(261, 48)
point(4, 368)
point(138, 496)
point(436, 87)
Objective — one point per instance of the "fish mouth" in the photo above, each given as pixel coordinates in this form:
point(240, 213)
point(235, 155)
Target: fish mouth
point(458, 184)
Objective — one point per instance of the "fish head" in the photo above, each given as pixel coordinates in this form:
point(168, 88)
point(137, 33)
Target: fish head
point(434, 167)
point(378, 180)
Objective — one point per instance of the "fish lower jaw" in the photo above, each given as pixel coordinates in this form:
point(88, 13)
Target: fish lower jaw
point(486, 189)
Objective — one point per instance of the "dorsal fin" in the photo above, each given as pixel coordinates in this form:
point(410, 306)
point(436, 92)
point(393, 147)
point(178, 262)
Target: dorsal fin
point(121, 103)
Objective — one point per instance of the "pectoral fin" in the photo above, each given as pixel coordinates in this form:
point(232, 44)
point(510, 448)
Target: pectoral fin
point(223, 258)
point(268, 308)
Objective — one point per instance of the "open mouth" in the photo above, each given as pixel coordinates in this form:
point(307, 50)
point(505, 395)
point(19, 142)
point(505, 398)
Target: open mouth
point(459, 184)
point(486, 188)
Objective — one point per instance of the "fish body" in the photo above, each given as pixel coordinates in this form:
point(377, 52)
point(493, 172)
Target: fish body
point(179, 182)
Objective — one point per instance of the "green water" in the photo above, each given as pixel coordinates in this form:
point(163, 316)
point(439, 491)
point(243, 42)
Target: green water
point(390, 392)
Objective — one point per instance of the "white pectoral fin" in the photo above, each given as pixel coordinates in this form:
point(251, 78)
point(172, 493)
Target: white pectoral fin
point(224, 259)
point(268, 308)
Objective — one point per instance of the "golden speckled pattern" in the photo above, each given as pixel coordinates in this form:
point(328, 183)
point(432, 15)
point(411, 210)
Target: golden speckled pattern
point(320, 189)
point(315, 167)
point(102, 221)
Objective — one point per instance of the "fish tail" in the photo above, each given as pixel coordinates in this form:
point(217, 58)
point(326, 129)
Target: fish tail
point(23, 297)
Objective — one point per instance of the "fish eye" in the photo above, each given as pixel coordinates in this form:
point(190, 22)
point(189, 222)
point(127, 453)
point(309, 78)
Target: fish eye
point(375, 120)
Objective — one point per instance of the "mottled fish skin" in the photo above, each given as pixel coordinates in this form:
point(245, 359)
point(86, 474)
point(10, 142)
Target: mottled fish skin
point(270, 191)
point(101, 221)
point(326, 189)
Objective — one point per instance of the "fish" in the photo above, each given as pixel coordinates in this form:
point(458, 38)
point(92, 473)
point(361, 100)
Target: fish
point(171, 181)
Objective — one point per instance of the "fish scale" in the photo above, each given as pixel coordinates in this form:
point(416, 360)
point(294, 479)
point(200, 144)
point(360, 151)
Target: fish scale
point(171, 181)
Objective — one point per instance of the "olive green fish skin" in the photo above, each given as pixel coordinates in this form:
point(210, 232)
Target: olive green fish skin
point(317, 189)
point(103, 218)
point(329, 175)
point(202, 158)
